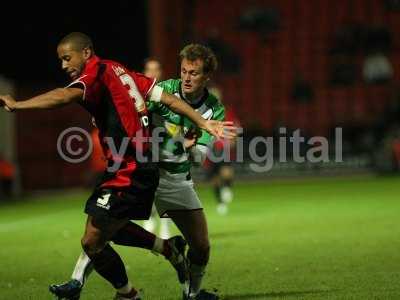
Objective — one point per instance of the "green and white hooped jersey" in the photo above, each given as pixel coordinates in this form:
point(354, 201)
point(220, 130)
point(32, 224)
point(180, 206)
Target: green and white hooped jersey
point(173, 156)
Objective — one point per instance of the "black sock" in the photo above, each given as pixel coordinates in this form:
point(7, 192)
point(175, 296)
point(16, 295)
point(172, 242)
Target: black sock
point(217, 192)
point(196, 259)
point(134, 236)
point(110, 266)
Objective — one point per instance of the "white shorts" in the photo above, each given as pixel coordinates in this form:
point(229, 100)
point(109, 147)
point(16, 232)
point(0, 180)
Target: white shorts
point(175, 192)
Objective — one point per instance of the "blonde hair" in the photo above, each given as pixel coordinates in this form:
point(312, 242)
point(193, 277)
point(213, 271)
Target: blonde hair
point(193, 52)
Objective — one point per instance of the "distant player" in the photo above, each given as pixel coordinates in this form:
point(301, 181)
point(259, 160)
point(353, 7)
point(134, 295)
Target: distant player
point(153, 69)
point(7, 177)
point(115, 97)
point(176, 197)
point(221, 172)
point(98, 161)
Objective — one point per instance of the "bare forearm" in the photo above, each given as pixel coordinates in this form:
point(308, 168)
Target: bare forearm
point(181, 107)
point(52, 99)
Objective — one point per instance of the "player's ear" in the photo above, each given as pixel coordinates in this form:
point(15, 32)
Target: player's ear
point(87, 53)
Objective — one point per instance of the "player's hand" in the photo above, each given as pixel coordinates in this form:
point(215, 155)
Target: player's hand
point(221, 129)
point(189, 143)
point(191, 137)
point(8, 103)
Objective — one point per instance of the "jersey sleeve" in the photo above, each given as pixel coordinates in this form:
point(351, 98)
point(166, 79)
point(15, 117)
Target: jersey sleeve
point(87, 83)
point(163, 111)
point(160, 109)
point(218, 114)
point(168, 85)
point(143, 83)
point(154, 106)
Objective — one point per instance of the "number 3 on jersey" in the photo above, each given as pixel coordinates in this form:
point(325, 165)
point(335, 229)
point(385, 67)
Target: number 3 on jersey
point(103, 201)
point(137, 97)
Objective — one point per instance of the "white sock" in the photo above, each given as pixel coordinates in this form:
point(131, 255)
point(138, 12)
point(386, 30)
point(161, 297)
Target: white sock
point(82, 269)
point(150, 224)
point(186, 287)
point(196, 274)
point(226, 194)
point(222, 209)
point(125, 289)
point(164, 228)
point(158, 246)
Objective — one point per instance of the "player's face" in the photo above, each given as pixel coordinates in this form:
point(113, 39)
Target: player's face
point(72, 61)
point(153, 69)
point(194, 79)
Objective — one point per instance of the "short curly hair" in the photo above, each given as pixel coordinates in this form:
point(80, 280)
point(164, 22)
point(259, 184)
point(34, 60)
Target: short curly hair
point(193, 52)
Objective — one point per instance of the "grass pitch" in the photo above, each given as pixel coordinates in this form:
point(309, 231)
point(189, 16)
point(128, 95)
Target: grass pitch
point(311, 239)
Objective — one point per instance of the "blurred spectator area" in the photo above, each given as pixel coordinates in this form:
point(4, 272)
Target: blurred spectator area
point(280, 48)
point(40, 165)
point(299, 64)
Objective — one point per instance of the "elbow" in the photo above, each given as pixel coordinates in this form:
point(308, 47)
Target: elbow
point(63, 97)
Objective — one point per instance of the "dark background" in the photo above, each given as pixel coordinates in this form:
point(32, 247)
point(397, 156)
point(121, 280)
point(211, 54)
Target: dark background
point(30, 33)
point(282, 63)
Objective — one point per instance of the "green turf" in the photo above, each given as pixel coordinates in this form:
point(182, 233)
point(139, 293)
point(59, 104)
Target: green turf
point(314, 239)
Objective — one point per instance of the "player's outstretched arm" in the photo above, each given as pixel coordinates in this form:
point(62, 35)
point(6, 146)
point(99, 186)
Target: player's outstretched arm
point(216, 128)
point(52, 99)
point(182, 108)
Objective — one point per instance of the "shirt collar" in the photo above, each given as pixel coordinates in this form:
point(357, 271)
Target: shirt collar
point(91, 63)
point(198, 102)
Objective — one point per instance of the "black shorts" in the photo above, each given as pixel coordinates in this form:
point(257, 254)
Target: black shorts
point(133, 202)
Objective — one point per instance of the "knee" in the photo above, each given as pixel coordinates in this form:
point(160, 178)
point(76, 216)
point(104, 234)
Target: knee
point(90, 246)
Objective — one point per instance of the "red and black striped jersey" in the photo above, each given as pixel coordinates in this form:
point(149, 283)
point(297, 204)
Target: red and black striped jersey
point(116, 99)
